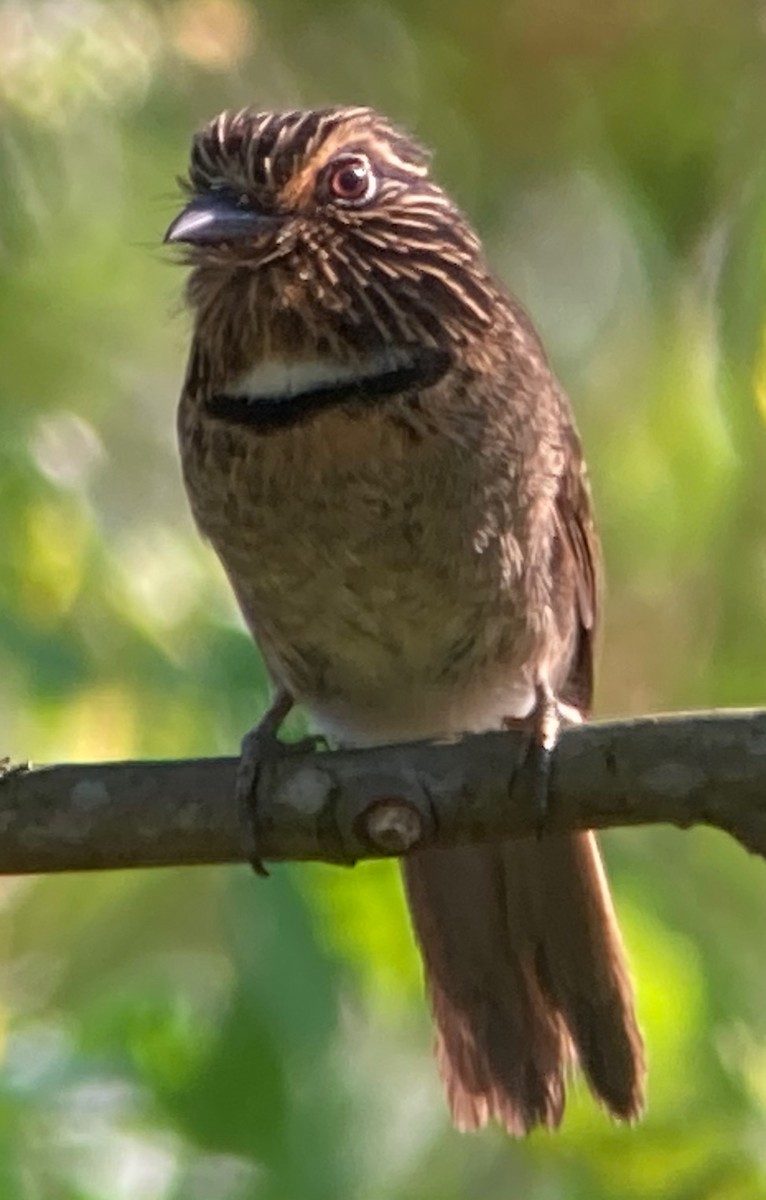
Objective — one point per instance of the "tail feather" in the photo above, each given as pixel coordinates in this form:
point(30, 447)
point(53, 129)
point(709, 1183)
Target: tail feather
point(525, 970)
point(582, 965)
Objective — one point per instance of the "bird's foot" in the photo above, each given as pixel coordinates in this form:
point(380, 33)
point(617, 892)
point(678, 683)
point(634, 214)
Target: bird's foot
point(259, 745)
point(548, 717)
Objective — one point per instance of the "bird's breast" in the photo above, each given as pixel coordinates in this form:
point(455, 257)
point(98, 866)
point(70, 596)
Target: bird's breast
point(379, 562)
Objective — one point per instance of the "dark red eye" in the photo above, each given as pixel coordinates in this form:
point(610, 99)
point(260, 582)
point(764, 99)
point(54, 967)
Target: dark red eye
point(351, 180)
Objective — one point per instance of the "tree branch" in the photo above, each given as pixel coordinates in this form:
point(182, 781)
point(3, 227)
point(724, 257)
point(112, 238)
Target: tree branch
point(703, 768)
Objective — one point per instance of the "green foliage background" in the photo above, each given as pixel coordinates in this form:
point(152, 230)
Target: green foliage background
point(200, 1034)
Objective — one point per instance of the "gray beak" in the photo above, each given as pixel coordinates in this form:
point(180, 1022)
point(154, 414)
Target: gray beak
point(211, 219)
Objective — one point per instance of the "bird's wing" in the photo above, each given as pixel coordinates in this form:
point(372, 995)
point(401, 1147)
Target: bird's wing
point(581, 554)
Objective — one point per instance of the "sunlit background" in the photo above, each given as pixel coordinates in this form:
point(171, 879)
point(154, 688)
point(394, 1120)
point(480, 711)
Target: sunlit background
point(203, 1035)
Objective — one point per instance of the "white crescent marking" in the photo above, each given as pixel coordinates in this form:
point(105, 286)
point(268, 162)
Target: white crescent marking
point(278, 379)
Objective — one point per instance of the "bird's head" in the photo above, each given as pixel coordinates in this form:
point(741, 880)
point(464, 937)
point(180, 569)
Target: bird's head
point(322, 231)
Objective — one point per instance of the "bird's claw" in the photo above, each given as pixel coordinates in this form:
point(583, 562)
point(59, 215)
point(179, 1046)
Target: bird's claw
point(547, 724)
point(549, 716)
point(259, 746)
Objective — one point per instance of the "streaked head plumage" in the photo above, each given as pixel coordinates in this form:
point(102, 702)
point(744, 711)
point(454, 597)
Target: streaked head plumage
point(331, 214)
point(266, 152)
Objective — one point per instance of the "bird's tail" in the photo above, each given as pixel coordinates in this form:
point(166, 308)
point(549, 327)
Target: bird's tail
point(526, 972)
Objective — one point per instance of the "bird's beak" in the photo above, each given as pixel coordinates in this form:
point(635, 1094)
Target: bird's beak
point(209, 220)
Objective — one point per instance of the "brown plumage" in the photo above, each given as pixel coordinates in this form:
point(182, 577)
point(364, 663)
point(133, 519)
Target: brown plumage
point(375, 444)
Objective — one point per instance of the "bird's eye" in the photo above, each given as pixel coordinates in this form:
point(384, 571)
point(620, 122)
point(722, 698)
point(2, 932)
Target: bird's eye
point(351, 180)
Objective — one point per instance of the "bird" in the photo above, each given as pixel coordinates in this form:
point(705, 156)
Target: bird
point(376, 446)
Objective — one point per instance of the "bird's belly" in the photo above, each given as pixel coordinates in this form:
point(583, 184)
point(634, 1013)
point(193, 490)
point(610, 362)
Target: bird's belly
point(376, 655)
point(382, 636)
point(385, 590)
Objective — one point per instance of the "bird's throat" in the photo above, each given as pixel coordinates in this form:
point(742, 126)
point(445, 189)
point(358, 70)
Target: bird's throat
point(277, 393)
